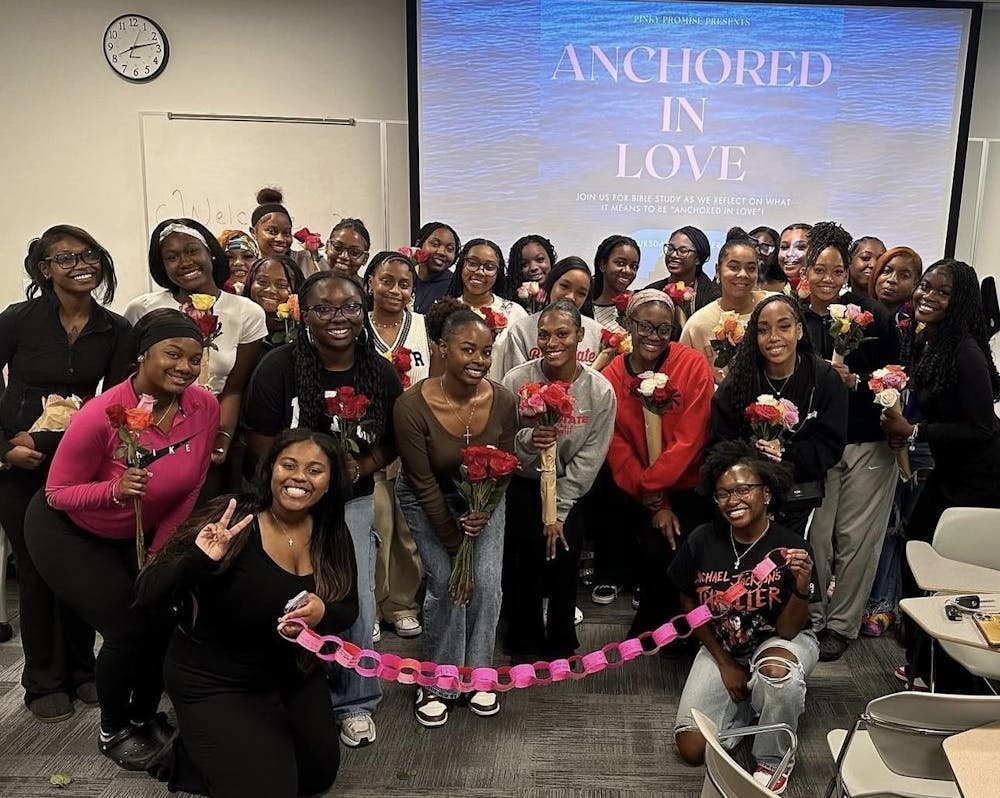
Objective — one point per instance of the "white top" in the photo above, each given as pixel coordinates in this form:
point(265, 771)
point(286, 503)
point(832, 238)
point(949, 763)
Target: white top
point(242, 321)
point(607, 317)
point(514, 312)
point(412, 334)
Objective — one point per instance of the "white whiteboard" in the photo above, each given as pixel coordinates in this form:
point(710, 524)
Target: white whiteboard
point(210, 170)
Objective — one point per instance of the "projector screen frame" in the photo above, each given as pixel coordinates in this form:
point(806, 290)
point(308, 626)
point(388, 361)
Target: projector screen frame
point(964, 118)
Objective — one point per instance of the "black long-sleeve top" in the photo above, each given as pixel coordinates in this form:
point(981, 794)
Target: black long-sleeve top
point(862, 413)
point(41, 361)
point(963, 430)
point(817, 442)
point(237, 610)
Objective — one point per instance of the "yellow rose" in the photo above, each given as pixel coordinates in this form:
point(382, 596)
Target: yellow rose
point(202, 301)
point(845, 325)
point(284, 311)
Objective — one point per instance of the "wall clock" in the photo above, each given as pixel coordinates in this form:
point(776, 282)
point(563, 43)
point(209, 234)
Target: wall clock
point(136, 48)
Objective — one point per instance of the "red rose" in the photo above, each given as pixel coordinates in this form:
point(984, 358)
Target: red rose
point(476, 455)
point(333, 405)
point(303, 234)
point(346, 392)
point(401, 359)
point(566, 407)
point(502, 463)
point(404, 379)
point(207, 323)
point(312, 243)
point(352, 408)
point(116, 415)
point(476, 472)
point(621, 301)
point(865, 318)
point(766, 414)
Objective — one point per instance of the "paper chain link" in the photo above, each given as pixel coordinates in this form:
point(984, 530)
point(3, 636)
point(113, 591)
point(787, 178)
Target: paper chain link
point(405, 670)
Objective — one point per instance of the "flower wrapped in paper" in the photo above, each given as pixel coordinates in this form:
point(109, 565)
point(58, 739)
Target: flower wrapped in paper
point(546, 404)
point(485, 473)
point(726, 336)
point(847, 328)
point(56, 413)
point(887, 384)
point(657, 395)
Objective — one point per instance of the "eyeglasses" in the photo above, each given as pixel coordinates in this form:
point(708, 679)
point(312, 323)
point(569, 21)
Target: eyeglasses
point(662, 331)
point(354, 253)
point(764, 249)
point(352, 310)
point(68, 260)
point(670, 249)
point(722, 495)
point(475, 265)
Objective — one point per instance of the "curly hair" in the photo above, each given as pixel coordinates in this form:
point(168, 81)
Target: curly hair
point(571, 263)
point(369, 367)
point(604, 250)
point(38, 251)
point(330, 551)
point(515, 262)
point(930, 361)
point(501, 287)
point(770, 270)
point(779, 477)
point(157, 269)
point(748, 362)
point(824, 235)
point(438, 313)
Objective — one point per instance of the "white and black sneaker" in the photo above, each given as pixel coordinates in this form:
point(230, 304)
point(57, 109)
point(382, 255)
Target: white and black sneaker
point(604, 594)
point(430, 710)
point(484, 704)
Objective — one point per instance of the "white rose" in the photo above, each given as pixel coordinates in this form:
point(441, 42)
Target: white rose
point(838, 311)
point(887, 397)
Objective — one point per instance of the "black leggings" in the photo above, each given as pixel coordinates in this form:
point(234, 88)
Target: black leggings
point(58, 646)
point(96, 578)
point(253, 744)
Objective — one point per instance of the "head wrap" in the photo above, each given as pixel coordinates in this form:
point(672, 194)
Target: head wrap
point(232, 240)
point(699, 240)
point(640, 298)
point(263, 210)
point(176, 227)
point(177, 325)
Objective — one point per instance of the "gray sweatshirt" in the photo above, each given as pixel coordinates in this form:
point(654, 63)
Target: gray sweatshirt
point(583, 440)
point(520, 345)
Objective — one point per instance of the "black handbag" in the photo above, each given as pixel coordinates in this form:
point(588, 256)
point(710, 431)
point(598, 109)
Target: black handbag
point(804, 496)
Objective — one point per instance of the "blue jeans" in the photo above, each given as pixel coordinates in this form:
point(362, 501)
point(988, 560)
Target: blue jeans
point(353, 694)
point(456, 635)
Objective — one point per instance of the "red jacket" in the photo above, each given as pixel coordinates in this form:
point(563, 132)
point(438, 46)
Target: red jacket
point(685, 426)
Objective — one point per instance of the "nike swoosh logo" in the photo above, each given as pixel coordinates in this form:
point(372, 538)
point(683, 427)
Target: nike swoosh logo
point(874, 468)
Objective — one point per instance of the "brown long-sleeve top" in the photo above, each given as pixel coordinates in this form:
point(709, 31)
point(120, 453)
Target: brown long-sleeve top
point(431, 455)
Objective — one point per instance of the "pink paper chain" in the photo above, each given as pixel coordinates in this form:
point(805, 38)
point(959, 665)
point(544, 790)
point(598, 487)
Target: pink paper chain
point(406, 670)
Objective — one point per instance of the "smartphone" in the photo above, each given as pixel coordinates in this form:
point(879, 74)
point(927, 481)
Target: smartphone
point(989, 626)
point(296, 601)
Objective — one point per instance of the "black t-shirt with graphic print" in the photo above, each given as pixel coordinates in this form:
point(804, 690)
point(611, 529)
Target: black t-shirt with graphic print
point(271, 403)
point(705, 565)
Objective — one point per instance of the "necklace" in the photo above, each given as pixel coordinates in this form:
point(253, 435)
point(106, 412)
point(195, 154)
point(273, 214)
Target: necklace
point(732, 539)
point(165, 412)
point(281, 526)
point(466, 421)
point(775, 390)
point(390, 326)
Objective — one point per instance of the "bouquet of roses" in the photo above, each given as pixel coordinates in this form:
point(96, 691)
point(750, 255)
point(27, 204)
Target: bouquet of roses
point(200, 309)
point(347, 409)
point(887, 384)
point(311, 242)
point(532, 296)
point(619, 343)
point(620, 301)
point(657, 396)
point(129, 424)
point(288, 313)
point(497, 322)
point(727, 336)
point(770, 419)
point(485, 473)
point(402, 361)
point(682, 296)
point(847, 328)
point(546, 404)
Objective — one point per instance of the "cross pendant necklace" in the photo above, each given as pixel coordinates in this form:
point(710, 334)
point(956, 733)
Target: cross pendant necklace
point(466, 421)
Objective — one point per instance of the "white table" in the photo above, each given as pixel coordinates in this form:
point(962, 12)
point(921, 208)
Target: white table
point(928, 614)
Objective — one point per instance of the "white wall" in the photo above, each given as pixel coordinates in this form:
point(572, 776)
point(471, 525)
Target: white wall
point(70, 127)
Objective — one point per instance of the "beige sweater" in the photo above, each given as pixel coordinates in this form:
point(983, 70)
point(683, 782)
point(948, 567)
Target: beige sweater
point(697, 332)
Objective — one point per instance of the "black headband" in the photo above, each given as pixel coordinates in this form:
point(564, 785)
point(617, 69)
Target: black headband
point(263, 210)
point(181, 327)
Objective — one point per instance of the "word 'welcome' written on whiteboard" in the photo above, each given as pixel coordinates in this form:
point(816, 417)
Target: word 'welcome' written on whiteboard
point(207, 212)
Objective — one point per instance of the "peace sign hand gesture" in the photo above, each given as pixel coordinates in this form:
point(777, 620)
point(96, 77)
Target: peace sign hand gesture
point(214, 538)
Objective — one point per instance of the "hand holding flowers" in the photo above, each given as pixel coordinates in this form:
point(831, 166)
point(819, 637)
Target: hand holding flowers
point(657, 395)
point(129, 424)
point(727, 335)
point(847, 328)
point(546, 404)
point(887, 384)
point(770, 420)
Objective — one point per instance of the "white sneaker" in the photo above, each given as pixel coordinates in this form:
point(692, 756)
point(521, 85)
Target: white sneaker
point(484, 704)
point(577, 616)
point(376, 633)
point(357, 730)
point(408, 626)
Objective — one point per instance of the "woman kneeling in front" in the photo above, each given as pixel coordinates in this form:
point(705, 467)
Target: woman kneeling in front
point(759, 649)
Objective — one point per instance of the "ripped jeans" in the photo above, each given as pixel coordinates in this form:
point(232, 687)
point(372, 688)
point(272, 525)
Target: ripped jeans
point(772, 700)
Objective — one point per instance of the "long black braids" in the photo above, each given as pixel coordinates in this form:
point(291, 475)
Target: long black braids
point(604, 250)
point(828, 234)
point(515, 262)
point(930, 362)
point(370, 375)
point(501, 287)
point(748, 362)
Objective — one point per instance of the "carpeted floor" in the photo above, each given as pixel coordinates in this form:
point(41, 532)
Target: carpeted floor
point(605, 737)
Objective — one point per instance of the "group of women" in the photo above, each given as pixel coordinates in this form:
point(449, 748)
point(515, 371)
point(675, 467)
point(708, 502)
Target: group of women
point(287, 455)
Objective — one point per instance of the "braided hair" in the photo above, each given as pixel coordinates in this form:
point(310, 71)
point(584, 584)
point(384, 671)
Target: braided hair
point(570, 263)
point(604, 250)
point(824, 235)
point(515, 263)
point(930, 361)
point(354, 225)
point(369, 368)
point(748, 362)
point(501, 287)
